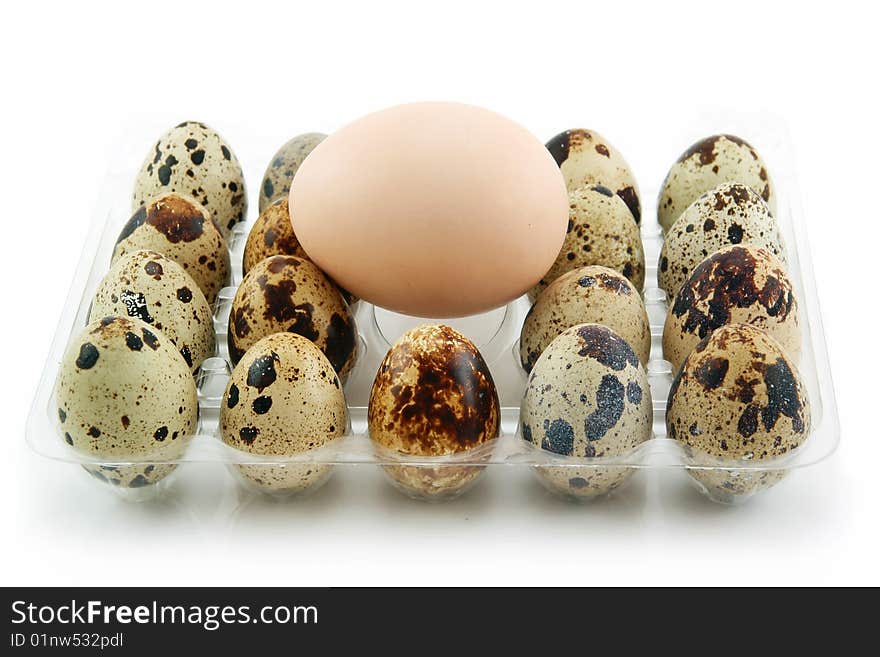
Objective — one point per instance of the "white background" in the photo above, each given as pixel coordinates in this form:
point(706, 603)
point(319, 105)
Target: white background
point(77, 76)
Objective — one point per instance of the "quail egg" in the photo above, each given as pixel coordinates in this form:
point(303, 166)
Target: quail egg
point(181, 229)
point(125, 394)
point(586, 158)
point(594, 295)
point(283, 399)
point(192, 159)
point(290, 294)
point(729, 214)
point(737, 400)
point(587, 397)
point(281, 170)
point(707, 164)
point(272, 234)
point(600, 232)
point(156, 290)
point(433, 396)
point(739, 284)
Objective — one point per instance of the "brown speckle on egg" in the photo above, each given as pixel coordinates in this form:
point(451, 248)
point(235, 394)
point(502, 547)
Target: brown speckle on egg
point(181, 229)
point(706, 164)
point(591, 294)
point(280, 403)
point(112, 407)
point(433, 396)
point(586, 158)
point(290, 294)
point(192, 159)
point(737, 398)
point(738, 284)
point(587, 397)
point(727, 215)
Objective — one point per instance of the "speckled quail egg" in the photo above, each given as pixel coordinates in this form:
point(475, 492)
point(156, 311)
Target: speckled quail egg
point(125, 394)
point(192, 159)
point(600, 232)
point(587, 397)
point(433, 396)
point(589, 295)
point(286, 293)
point(586, 158)
point(155, 289)
point(728, 214)
point(281, 170)
point(739, 284)
point(707, 164)
point(181, 229)
point(737, 399)
point(283, 399)
point(272, 234)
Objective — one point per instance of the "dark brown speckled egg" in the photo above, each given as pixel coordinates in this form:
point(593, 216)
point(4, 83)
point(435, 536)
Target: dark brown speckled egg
point(706, 164)
point(587, 397)
point(123, 393)
point(192, 159)
point(283, 166)
point(586, 158)
point(737, 399)
point(727, 215)
point(181, 229)
point(287, 294)
point(433, 396)
point(736, 285)
point(283, 399)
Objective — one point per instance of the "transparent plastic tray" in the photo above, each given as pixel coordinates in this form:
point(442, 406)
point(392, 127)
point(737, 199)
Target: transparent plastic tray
point(496, 333)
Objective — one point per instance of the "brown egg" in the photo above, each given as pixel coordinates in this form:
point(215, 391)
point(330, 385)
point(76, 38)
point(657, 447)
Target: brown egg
point(737, 400)
point(431, 209)
point(739, 284)
point(433, 396)
point(589, 295)
point(272, 234)
point(586, 158)
point(600, 232)
point(181, 229)
point(282, 399)
point(290, 294)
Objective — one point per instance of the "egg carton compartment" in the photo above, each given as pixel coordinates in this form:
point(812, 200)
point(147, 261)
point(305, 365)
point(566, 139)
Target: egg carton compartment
point(496, 334)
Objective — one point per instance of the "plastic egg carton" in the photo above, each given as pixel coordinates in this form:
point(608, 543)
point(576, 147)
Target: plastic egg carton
point(496, 333)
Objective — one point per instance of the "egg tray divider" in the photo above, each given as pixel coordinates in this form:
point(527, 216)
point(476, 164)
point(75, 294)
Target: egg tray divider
point(499, 346)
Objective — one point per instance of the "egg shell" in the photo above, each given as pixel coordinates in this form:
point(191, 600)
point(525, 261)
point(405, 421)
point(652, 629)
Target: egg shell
point(290, 294)
point(726, 215)
point(272, 234)
point(181, 229)
point(193, 160)
point(737, 399)
point(433, 396)
point(124, 393)
point(587, 397)
point(600, 232)
point(589, 295)
point(586, 159)
point(735, 285)
point(283, 399)
point(284, 165)
point(431, 209)
point(704, 166)
point(156, 290)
